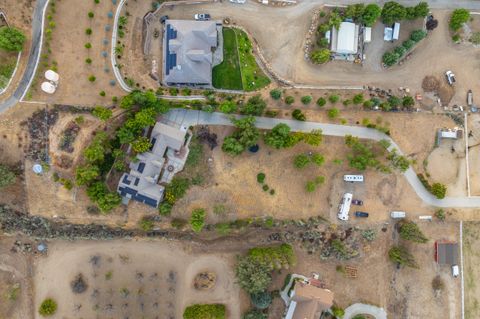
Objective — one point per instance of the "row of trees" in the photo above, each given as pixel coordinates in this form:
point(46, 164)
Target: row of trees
point(400, 254)
point(393, 11)
point(392, 57)
point(247, 135)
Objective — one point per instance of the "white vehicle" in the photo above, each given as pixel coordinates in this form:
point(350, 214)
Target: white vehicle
point(202, 16)
point(353, 178)
point(344, 207)
point(455, 270)
point(450, 77)
point(238, 1)
point(397, 214)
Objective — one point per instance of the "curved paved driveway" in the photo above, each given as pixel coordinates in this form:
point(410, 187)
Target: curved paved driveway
point(191, 118)
point(363, 309)
point(37, 38)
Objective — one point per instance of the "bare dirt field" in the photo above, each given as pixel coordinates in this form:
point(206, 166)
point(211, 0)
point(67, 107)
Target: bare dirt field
point(133, 279)
point(67, 53)
point(471, 239)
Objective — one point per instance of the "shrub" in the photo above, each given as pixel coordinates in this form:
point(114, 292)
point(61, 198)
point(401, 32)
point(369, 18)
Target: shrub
point(298, 115)
point(439, 190)
point(165, 209)
point(333, 113)
point(146, 223)
point(320, 56)
point(394, 101)
point(102, 93)
point(321, 101)
point(400, 51)
point(337, 311)
point(358, 99)
point(418, 35)
point(276, 94)
point(408, 44)
point(253, 275)
point(228, 107)
point(88, 61)
point(475, 38)
point(458, 18)
point(11, 39)
point(334, 98)
point(197, 220)
point(96, 1)
point(265, 187)
point(261, 177)
point(393, 11)
point(369, 234)
point(88, 31)
point(254, 314)
point(301, 161)
point(214, 311)
point(437, 283)
point(306, 99)
point(390, 58)
point(275, 257)
point(88, 45)
point(102, 113)
point(310, 186)
point(7, 176)
point(440, 214)
point(400, 255)
point(456, 38)
point(48, 307)
point(371, 13)
point(91, 15)
point(318, 159)
point(289, 100)
point(92, 78)
point(254, 106)
point(141, 144)
point(346, 102)
point(261, 300)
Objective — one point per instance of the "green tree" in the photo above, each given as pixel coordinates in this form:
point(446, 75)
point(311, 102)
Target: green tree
point(418, 35)
point(85, 174)
point(306, 99)
point(371, 14)
point(109, 201)
point(11, 39)
point(96, 151)
point(228, 107)
point(400, 51)
point(400, 255)
point(334, 20)
point(299, 115)
point(458, 18)
point(321, 101)
point(301, 161)
point(320, 56)
point(289, 100)
point(207, 311)
point(141, 144)
point(337, 311)
point(253, 276)
point(7, 177)
point(275, 257)
point(333, 113)
point(276, 94)
point(278, 137)
point(394, 101)
point(408, 44)
point(334, 98)
point(355, 11)
point(390, 58)
point(144, 118)
point(310, 186)
point(439, 190)
point(318, 159)
point(102, 113)
point(358, 99)
point(421, 9)
point(261, 300)
point(410, 231)
point(440, 214)
point(254, 106)
point(313, 138)
point(232, 146)
point(392, 12)
point(408, 101)
point(48, 307)
point(197, 219)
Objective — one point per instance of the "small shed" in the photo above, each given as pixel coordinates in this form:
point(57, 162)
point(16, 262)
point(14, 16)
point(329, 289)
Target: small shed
point(396, 31)
point(446, 253)
point(388, 34)
point(367, 35)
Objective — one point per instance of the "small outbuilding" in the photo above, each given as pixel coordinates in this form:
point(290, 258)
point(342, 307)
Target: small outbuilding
point(446, 253)
point(345, 39)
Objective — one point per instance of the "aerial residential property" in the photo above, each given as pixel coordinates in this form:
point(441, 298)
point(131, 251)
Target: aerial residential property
point(239, 159)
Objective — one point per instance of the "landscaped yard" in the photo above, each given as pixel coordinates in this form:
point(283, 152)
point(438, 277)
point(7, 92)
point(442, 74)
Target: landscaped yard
point(227, 74)
point(239, 70)
point(7, 65)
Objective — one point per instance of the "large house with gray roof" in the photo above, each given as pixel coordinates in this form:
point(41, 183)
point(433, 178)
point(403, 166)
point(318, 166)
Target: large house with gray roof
point(154, 169)
point(188, 52)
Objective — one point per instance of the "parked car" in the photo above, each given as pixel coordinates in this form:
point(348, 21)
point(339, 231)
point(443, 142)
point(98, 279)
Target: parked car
point(361, 214)
point(397, 214)
point(202, 17)
point(238, 1)
point(469, 98)
point(455, 271)
point(357, 202)
point(163, 19)
point(450, 77)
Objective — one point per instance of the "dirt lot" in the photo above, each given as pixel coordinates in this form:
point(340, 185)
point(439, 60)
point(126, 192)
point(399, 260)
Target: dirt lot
point(133, 279)
point(68, 52)
point(474, 152)
point(471, 240)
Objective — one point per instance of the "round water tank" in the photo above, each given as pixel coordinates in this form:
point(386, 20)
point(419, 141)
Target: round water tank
point(48, 87)
point(37, 169)
point(52, 76)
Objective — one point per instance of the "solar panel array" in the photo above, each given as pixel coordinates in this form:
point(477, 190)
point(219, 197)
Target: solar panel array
point(171, 60)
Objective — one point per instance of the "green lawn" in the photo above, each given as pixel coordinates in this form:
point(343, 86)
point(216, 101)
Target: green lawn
point(253, 77)
point(7, 66)
point(239, 70)
point(227, 74)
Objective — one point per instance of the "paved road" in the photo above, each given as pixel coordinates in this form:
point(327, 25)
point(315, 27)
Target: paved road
point(363, 309)
point(37, 35)
point(188, 118)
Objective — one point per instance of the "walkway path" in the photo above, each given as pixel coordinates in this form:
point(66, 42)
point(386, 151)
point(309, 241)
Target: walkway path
point(37, 38)
point(188, 118)
point(364, 309)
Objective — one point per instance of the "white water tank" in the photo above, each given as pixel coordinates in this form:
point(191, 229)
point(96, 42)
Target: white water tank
point(52, 76)
point(48, 87)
